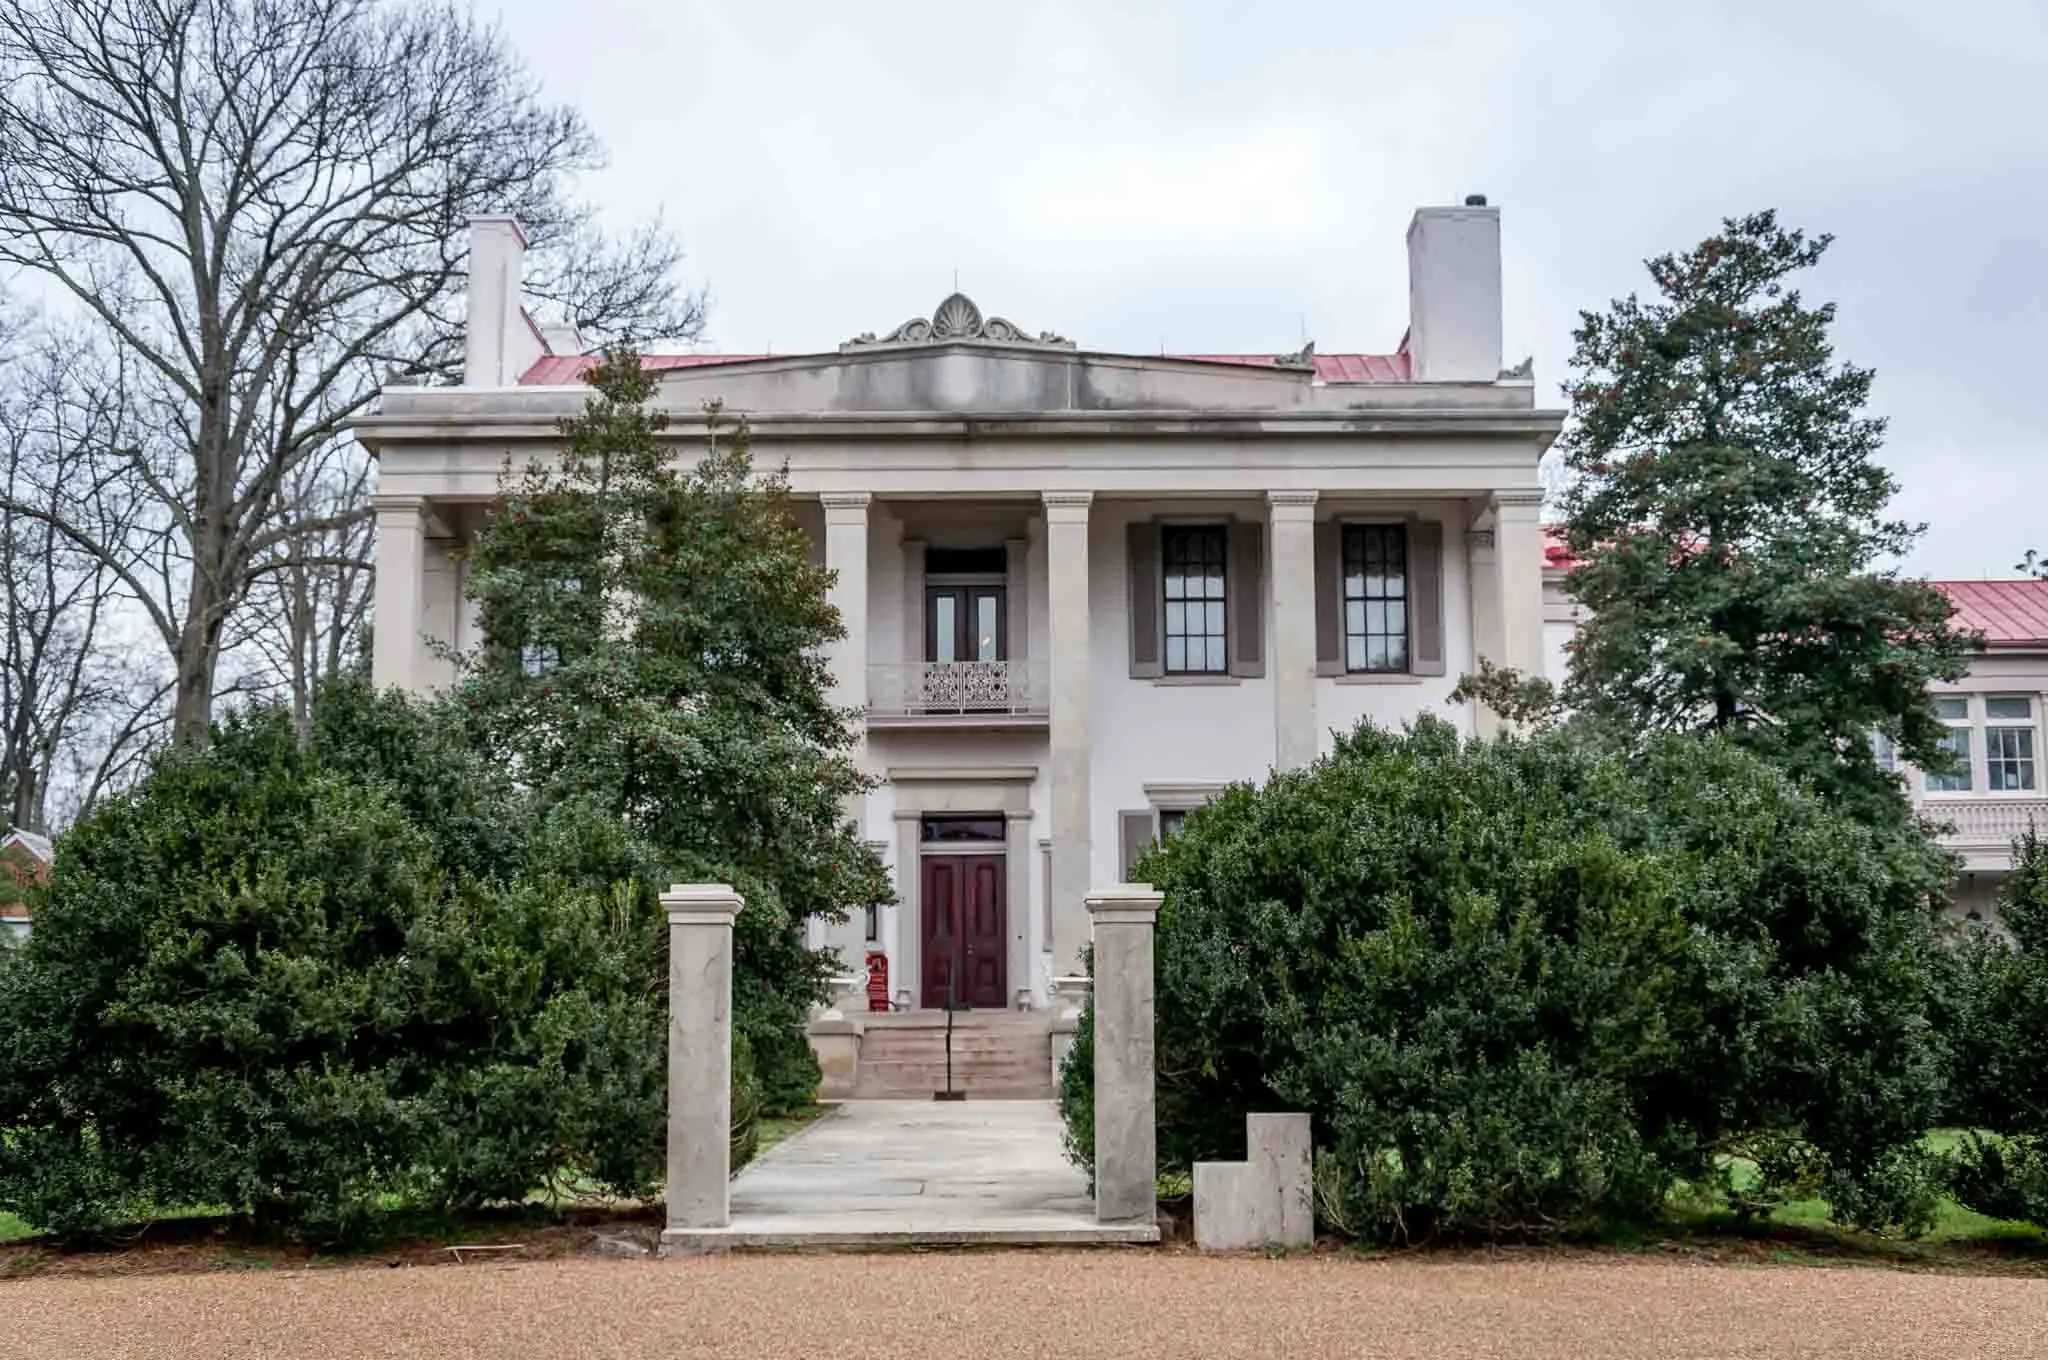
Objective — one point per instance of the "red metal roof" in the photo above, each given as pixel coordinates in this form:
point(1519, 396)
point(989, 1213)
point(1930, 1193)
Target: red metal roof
point(2003, 611)
point(561, 369)
point(2007, 613)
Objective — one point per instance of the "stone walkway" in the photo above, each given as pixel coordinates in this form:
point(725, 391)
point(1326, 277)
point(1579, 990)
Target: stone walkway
point(918, 1172)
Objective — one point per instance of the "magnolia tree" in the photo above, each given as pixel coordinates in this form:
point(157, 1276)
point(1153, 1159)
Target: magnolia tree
point(652, 644)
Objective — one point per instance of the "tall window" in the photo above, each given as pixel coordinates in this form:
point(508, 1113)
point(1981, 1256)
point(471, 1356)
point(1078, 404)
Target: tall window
point(1196, 638)
point(2009, 744)
point(1375, 598)
point(1955, 711)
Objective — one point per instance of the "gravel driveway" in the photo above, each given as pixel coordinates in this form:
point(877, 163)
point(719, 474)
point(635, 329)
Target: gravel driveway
point(1061, 1305)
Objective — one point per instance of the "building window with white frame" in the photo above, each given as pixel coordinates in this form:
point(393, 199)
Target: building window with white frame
point(1375, 598)
point(2009, 743)
point(1196, 558)
point(1954, 710)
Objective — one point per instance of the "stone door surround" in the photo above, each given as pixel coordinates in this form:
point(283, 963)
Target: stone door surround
point(989, 791)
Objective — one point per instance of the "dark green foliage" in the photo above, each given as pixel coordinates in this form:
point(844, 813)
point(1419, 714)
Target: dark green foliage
point(653, 636)
point(1727, 517)
point(300, 983)
point(1525, 986)
point(1999, 1037)
point(746, 1104)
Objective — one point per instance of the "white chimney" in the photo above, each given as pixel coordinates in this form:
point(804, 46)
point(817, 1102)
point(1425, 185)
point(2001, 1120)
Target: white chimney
point(500, 342)
point(1454, 293)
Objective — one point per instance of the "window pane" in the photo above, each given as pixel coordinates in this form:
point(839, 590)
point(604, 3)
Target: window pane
point(1171, 820)
point(1375, 597)
point(1196, 600)
point(1957, 741)
point(986, 633)
point(2008, 707)
point(946, 627)
point(2009, 759)
point(1952, 708)
point(1886, 750)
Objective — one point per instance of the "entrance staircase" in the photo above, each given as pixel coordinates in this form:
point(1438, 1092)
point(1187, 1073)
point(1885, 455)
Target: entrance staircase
point(997, 1055)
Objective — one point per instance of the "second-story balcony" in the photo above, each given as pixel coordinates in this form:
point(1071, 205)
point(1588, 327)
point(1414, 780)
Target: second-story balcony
point(1982, 829)
point(959, 694)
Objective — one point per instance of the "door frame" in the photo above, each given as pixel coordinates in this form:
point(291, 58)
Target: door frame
point(941, 790)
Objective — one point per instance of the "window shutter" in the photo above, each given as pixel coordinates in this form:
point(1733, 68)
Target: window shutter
point(1136, 830)
point(1426, 596)
point(1247, 606)
point(1329, 597)
point(1144, 602)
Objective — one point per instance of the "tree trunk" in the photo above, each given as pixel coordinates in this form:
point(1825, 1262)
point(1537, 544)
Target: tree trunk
point(198, 656)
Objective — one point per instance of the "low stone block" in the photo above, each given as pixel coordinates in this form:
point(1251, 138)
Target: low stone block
point(1263, 1201)
point(836, 1045)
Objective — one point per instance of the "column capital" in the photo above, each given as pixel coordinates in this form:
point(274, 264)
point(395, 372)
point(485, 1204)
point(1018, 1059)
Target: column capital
point(1068, 507)
point(1518, 499)
point(846, 504)
point(1291, 500)
point(1125, 904)
point(701, 904)
point(395, 504)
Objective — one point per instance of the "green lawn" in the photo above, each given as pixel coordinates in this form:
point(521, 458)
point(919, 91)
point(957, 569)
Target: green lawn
point(13, 1229)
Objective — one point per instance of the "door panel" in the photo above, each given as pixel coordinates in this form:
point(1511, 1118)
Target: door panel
point(982, 933)
point(964, 953)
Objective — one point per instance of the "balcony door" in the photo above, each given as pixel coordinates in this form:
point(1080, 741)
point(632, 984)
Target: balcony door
point(965, 621)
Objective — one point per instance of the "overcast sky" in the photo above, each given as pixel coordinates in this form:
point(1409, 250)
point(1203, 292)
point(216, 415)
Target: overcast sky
point(1231, 177)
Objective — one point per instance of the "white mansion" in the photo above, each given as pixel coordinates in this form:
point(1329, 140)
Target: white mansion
point(1082, 591)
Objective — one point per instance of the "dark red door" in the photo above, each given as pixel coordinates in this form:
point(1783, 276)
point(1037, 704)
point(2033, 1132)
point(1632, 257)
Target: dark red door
point(964, 954)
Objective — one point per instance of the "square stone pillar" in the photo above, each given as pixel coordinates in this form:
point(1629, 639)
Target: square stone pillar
point(400, 593)
point(1292, 516)
point(700, 917)
point(846, 555)
point(1066, 527)
point(1126, 1133)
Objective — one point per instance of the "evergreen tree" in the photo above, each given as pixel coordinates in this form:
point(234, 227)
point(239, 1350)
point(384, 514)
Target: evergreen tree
point(1728, 519)
point(652, 639)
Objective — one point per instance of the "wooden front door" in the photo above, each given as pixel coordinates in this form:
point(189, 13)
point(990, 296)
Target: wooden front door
point(964, 955)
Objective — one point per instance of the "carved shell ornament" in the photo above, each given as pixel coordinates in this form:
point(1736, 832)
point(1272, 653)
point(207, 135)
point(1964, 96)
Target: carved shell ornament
point(955, 319)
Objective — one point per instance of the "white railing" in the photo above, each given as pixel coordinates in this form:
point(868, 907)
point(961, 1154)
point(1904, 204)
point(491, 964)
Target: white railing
point(951, 689)
point(1980, 821)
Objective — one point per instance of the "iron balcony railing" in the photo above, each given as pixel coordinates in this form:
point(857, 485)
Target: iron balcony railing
point(955, 689)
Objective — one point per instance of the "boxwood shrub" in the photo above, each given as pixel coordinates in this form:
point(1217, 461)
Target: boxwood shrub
point(1530, 985)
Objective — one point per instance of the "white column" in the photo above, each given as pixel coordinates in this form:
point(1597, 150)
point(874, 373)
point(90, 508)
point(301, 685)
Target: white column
point(846, 555)
point(1066, 521)
point(400, 597)
point(1518, 565)
point(1486, 640)
point(700, 917)
point(1292, 517)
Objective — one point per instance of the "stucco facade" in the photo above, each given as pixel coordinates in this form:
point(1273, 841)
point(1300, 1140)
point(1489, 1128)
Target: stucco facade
point(1082, 590)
